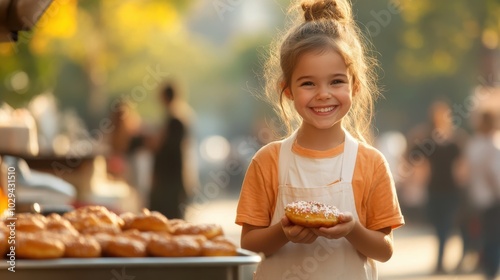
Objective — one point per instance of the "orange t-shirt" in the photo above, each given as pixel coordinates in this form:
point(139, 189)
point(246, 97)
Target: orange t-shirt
point(373, 187)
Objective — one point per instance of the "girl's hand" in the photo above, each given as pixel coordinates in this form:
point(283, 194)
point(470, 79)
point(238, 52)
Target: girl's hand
point(343, 228)
point(297, 234)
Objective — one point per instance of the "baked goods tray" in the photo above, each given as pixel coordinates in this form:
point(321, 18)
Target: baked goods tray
point(132, 268)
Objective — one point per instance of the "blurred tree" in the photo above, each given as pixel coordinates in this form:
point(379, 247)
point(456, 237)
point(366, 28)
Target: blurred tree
point(448, 35)
point(429, 49)
point(92, 52)
point(457, 38)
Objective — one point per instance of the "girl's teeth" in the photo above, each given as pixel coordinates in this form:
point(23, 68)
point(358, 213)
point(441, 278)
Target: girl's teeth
point(323, 110)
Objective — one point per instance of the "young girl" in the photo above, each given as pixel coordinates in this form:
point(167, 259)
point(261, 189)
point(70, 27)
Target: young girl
point(325, 75)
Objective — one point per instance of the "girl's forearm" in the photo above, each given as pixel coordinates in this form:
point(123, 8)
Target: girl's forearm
point(373, 244)
point(266, 240)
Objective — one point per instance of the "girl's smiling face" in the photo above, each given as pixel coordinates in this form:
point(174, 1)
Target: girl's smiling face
point(321, 89)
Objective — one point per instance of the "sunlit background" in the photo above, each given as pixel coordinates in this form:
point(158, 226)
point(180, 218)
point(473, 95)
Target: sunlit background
point(89, 53)
point(84, 57)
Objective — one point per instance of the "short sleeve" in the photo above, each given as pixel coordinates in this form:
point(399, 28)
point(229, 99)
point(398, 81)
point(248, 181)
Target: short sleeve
point(259, 190)
point(382, 204)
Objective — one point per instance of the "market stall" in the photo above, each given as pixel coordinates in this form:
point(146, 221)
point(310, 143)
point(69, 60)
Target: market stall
point(188, 268)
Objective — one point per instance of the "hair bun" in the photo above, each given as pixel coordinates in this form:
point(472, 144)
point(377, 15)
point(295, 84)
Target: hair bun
point(324, 9)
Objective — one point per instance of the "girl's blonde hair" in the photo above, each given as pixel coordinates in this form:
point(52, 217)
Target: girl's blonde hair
point(319, 26)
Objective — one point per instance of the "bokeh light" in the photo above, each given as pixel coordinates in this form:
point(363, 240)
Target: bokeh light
point(215, 148)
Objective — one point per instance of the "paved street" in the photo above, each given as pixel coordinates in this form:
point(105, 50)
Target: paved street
point(413, 259)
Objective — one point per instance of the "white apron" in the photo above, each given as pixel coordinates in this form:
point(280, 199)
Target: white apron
point(325, 258)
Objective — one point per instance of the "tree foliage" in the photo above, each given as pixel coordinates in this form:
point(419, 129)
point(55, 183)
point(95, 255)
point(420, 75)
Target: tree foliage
point(428, 50)
point(90, 52)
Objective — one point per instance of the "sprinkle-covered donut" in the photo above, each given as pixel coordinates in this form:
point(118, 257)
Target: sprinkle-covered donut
point(312, 214)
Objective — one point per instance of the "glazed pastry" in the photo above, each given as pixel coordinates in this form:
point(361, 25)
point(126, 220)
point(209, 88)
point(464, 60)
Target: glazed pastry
point(176, 246)
point(148, 221)
point(219, 246)
point(125, 247)
point(31, 246)
point(81, 247)
point(208, 230)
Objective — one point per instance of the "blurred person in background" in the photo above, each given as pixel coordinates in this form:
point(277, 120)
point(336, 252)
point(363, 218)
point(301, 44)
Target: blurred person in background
point(483, 162)
point(169, 188)
point(438, 145)
point(125, 126)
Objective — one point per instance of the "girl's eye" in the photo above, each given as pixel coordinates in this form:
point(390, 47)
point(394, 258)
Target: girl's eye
point(334, 82)
point(306, 84)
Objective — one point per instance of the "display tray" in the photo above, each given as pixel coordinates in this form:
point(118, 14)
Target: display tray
point(132, 268)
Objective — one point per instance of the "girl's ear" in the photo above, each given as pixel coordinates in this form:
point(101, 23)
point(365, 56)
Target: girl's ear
point(286, 91)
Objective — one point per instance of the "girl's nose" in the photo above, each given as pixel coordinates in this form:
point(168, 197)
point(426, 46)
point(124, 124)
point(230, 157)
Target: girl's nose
point(323, 93)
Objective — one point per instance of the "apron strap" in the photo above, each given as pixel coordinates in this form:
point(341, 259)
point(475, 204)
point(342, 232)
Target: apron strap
point(350, 155)
point(285, 156)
